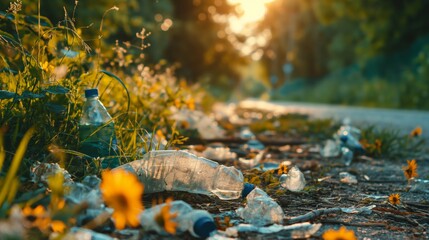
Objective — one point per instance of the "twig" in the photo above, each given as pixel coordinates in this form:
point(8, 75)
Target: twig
point(366, 224)
point(313, 214)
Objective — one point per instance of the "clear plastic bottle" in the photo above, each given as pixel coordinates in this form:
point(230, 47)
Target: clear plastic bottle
point(97, 131)
point(261, 209)
point(199, 223)
point(171, 170)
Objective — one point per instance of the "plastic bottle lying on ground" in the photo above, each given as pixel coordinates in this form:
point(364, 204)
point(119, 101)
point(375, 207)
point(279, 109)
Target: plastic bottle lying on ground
point(198, 222)
point(171, 170)
point(261, 209)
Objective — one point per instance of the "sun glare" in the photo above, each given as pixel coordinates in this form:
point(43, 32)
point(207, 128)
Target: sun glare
point(250, 12)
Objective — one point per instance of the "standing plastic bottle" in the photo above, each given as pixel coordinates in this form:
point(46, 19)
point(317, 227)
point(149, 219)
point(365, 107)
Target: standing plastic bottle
point(171, 170)
point(199, 223)
point(97, 131)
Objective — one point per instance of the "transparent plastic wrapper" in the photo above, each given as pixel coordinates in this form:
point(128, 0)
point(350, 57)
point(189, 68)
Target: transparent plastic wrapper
point(97, 131)
point(220, 154)
point(293, 181)
point(346, 177)
point(261, 209)
point(40, 172)
point(198, 222)
point(171, 170)
point(78, 193)
point(331, 149)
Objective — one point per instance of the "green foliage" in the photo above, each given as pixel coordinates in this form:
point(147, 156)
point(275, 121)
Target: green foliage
point(391, 144)
point(45, 68)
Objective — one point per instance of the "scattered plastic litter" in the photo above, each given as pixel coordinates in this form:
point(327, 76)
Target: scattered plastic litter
point(220, 154)
point(345, 143)
point(346, 177)
point(78, 193)
point(153, 142)
point(171, 170)
point(293, 181)
point(261, 209)
point(346, 156)
point(298, 230)
point(245, 133)
point(245, 163)
point(206, 126)
point(419, 185)
point(360, 210)
point(40, 172)
point(253, 145)
point(85, 234)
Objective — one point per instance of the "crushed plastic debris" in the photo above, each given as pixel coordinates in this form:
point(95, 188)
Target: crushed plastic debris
point(78, 193)
point(293, 181)
point(175, 170)
point(345, 143)
point(261, 209)
point(245, 163)
point(346, 177)
point(220, 154)
point(40, 172)
point(206, 126)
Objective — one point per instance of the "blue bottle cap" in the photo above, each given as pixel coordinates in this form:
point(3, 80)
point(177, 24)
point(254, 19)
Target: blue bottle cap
point(204, 226)
point(344, 138)
point(93, 92)
point(248, 187)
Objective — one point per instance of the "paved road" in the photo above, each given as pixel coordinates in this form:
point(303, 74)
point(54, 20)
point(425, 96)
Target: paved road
point(402, 120)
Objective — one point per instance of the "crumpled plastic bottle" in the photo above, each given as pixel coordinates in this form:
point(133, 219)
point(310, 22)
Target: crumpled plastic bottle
point(261, 209)
point(198, 222)
point(175, 170)
point(293, 181)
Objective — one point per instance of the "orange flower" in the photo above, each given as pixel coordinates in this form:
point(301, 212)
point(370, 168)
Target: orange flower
point(416, 132)
point(410, 171)
point(377, 145)
point(282, 169)
point(165, 219)
point(341, 234)
point(122, 191)
point(58, 226)
point(395, 198)
point(38, 217)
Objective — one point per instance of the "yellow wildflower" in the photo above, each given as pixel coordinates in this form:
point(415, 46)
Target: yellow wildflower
point(416, 132)
point(395, 198)
point(410, 171)
point(122, 191)
point(341, 234)
point(47, 67)
point(165, 218)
